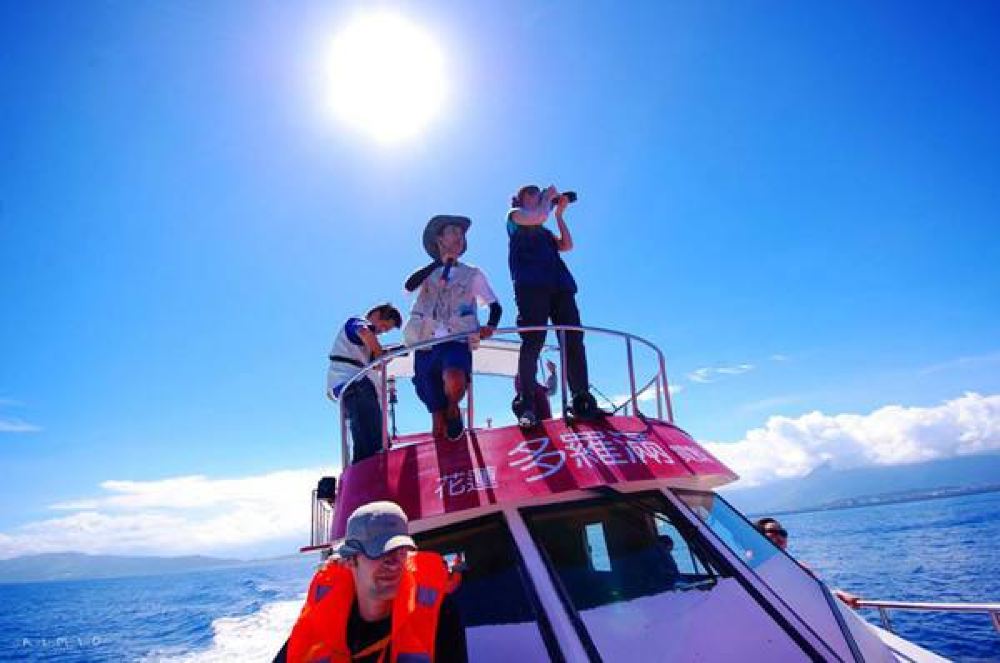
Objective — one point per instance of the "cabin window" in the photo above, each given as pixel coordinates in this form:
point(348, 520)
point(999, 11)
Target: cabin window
point(685, 559)
point(597, 547)
point(499, 609)
point(607, 552)
point(640, 584)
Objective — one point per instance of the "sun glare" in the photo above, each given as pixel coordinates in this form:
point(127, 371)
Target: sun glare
point(386, 76)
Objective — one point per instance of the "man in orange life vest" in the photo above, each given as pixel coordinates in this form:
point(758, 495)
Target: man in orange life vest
point(381, 602)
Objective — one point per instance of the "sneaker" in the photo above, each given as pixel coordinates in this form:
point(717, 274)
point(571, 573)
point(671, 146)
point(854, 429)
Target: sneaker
point(527, 419)
point(455, 428)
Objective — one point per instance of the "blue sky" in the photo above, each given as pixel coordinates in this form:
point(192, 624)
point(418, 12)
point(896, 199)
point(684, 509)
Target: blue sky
point(812, 191)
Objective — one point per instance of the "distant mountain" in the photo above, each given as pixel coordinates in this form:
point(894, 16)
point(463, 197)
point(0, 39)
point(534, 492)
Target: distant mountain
point(826, 485)
point(78, 566)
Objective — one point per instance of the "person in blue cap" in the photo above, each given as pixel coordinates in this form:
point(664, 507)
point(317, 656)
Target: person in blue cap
point(449, 293)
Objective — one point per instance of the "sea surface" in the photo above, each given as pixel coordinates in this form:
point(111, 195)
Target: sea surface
point(934, 550)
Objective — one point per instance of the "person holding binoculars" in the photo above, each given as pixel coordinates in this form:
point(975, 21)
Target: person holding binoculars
point(545, 290)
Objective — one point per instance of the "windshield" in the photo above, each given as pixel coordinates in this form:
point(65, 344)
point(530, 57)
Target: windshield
point(642, 587)
point(793, 583)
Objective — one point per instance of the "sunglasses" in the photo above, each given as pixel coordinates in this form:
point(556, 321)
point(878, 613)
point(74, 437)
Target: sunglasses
point(783, 533)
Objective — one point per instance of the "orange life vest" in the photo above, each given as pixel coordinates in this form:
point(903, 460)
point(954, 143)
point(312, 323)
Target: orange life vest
point(320, 634)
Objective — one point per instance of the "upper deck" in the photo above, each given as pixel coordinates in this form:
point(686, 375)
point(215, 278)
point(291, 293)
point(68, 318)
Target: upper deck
point(505, 466)
point(508, 466)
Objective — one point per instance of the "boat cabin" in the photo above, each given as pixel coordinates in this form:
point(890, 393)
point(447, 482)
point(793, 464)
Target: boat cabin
point(594, 541)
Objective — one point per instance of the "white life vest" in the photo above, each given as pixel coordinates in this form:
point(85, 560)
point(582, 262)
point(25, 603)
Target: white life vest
point(450, 305)
point(340, 371)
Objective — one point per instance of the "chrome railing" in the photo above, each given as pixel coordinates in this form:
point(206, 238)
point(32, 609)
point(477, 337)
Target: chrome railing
point(381, 378)
point(883, 607)
point(322, 520)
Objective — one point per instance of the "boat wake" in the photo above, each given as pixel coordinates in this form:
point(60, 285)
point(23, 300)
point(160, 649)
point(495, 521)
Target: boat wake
point(254, 637)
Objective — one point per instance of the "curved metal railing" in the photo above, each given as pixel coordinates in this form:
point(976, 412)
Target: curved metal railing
point(883, 607)
point(659, 380)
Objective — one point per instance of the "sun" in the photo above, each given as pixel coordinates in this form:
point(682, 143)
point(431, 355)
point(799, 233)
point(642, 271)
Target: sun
point(386, 76)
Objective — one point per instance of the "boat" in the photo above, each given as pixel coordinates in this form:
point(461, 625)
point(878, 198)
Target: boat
point(597, 540)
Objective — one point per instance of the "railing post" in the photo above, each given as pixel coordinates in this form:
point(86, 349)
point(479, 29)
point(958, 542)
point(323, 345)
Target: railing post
point(659, 403)
point(393, 400)
point(312, 533)
point(631, 377)
point(995, 617)
point(344, 460)
point(470, 405)
point(326, 523)
point(383, 370)
point(666, 387)
point(561, 335)
point(884, 615)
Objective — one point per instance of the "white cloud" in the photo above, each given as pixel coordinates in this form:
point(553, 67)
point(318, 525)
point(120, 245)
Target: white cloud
point(199, 514)
point(17, 426)
point(792, 447)
point(711, 374)
point(778, 357)
point(177, 515)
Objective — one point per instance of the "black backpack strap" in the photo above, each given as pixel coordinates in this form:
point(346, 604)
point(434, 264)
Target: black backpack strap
point(347, 360)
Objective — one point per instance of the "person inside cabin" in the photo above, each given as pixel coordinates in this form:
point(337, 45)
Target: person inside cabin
point(448, 295)
point(666, 546)
point(778, 535)
point(378, 599)
point(545, 290)
point(541, 392)
point(355, 346)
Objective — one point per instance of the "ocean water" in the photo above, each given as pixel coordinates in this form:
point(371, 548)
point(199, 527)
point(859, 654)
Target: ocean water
point(944, 550)
point(232, 614)
point(935, 550)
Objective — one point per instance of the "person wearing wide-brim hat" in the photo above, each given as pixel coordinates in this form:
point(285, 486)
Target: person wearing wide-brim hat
point(449, 293)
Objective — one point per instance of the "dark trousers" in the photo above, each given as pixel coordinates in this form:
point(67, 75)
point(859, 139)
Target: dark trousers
point(361, 407)
point(536, 306)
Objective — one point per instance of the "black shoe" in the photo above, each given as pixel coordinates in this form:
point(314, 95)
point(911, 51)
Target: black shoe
point(455, 428)
point(585, 407)
point(527, 419)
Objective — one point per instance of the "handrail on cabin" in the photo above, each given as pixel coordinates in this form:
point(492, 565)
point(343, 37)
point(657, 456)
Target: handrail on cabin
point(379, 363)
point(883, 607)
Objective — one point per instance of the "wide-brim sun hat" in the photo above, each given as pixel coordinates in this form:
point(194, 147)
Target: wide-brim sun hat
point(439, 223)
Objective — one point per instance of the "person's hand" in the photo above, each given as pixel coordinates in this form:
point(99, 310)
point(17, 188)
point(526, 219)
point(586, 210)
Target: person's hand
point(486, 332)
point(849, 599)
point(561, 203)
point(552, 191)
